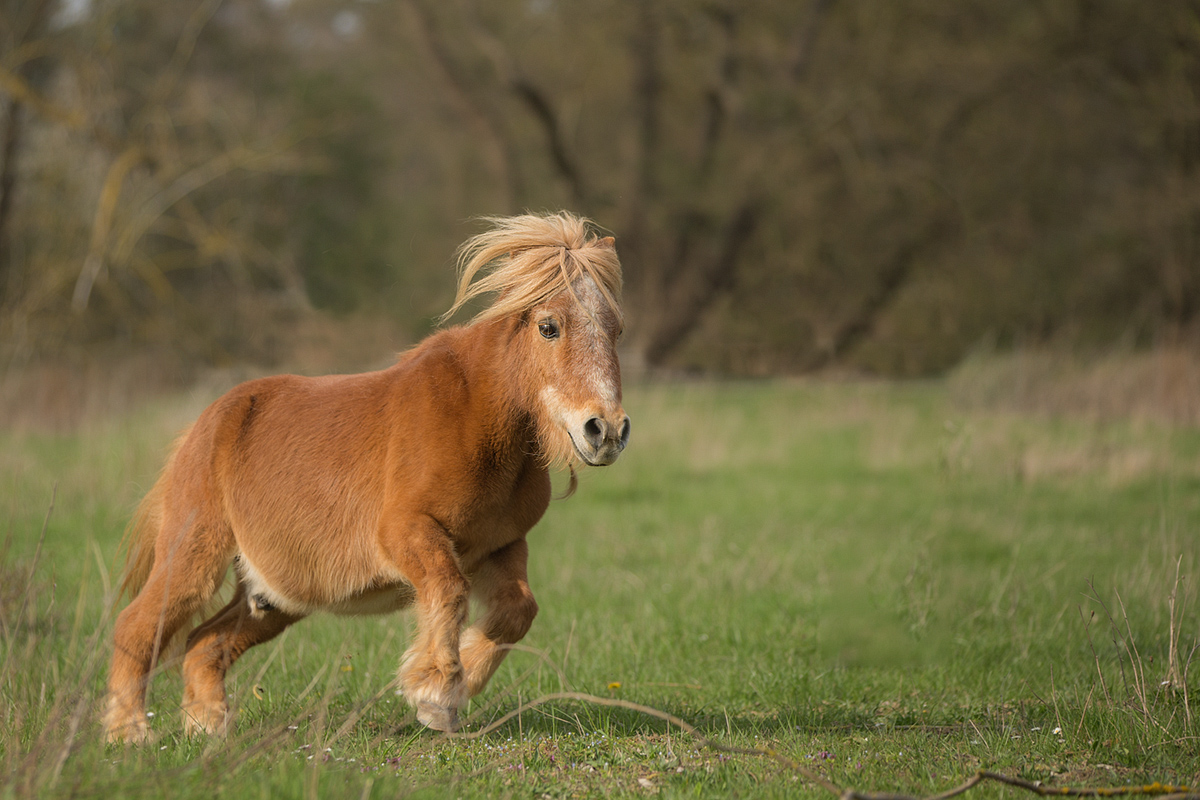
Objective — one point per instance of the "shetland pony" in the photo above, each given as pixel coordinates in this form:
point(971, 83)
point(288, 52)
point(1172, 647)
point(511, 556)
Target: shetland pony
point(362, 494)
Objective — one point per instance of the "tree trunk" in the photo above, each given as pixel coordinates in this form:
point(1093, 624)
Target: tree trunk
point(14, 122)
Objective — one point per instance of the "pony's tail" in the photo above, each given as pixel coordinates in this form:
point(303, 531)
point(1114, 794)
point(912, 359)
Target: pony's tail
point(140, 536)
point(142, 532)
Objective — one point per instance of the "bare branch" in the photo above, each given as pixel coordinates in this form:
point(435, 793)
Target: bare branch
point(716, 102)
point(29, 45)
point(110, 192)
point(21, 92)
point(264, 160)
point(169, 78)
point(892, 278)
point(647, 90)
point(13, 128)
point(806, 38)
point(697, 286)
point(539, 105)
point(499, 150)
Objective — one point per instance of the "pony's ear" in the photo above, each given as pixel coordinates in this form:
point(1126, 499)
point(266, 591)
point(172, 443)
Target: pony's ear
point(608, 243)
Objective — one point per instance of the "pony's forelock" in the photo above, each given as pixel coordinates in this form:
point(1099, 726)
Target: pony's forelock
point(527, 259)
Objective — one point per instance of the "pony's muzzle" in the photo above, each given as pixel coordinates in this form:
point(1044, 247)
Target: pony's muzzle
point(606, 439)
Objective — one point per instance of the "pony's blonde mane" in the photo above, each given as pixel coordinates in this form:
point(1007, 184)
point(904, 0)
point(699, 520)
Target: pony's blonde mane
point(527, 259)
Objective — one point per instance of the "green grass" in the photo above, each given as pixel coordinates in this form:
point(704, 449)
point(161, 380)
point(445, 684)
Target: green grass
point(864, 577)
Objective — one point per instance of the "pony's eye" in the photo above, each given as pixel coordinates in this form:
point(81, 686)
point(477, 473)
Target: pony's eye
point(548, 328)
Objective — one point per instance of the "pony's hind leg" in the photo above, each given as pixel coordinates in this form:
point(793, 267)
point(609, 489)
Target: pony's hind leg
point(212, 648)
point(501, 584)
point(181, 581)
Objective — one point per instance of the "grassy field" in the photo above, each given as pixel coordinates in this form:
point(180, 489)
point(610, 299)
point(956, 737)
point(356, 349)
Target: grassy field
point(870, 579)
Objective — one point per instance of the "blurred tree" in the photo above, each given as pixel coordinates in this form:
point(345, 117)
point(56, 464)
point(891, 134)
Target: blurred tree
point(796, 185)
point(793, 185)
point(623, 116)
point(199, 159)
point(23, 75)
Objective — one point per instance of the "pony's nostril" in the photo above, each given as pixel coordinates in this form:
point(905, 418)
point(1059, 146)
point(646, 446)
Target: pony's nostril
point(625, 433)
point(593, 432)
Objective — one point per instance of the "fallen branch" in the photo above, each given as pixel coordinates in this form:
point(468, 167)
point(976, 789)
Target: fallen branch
point(1164, 791)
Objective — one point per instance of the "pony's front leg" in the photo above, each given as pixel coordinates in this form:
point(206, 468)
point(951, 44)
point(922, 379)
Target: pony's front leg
point(431, 673)
point(501, 584)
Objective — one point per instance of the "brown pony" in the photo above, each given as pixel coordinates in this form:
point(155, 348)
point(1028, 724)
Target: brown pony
point(361, 494)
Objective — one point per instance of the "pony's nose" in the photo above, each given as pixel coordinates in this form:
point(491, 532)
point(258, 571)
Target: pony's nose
point(594, 431)
point(597, 432)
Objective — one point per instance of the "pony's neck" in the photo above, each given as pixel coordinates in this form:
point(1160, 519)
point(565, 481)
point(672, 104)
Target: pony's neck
point(491, 354)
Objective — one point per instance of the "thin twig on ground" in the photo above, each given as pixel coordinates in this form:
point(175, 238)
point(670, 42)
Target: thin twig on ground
point(1164, 791)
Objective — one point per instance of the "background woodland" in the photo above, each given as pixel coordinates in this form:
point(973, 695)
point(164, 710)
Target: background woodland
point(794, 186)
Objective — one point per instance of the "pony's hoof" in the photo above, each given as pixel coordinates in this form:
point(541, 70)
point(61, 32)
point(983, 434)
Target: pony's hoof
point(439, 718)
point(134, 733)
point(208, 723)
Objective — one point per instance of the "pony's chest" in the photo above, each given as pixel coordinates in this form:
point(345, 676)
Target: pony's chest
point(492, 522)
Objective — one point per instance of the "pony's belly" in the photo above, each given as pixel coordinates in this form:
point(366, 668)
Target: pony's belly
point(381, 595)
point(384, 600)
